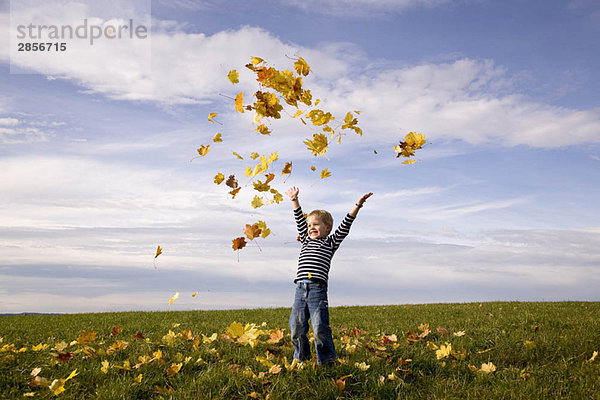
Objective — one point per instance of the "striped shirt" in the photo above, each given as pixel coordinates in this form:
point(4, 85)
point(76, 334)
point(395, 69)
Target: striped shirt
point(316, 254)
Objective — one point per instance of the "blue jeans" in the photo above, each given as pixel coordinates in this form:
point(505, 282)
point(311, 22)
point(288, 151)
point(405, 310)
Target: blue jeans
point(311, 302)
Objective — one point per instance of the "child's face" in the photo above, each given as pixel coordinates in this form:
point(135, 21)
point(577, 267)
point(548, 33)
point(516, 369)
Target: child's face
point(317, 228)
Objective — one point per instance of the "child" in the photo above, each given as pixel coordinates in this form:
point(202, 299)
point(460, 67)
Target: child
point(314, 262)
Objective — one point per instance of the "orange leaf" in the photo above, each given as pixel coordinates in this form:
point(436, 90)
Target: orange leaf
point(238, 243)
point(239, 102)
point(252, 231)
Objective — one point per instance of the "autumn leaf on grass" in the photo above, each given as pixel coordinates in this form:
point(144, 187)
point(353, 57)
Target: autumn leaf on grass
point(529, 344)
point(443, 351)
point(203, 150)
point(58, 385)
point(40, 347)
point(116, 330)
point(593, 357)
point(239, 102)
point(363, 366)
point(119, 345)
point(175, 297)
point(86, 337)
point(217, 138)
point(275, 369)
point(105, 366)
point(275, 336)
point(239, 243)
point(340, 383)
point(325, 174)
point(318, 145)
point(233, 77)
point(174, 369)
point(211, 116)
point(460, 333)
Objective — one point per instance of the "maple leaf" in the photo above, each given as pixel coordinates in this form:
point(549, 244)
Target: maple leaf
point(40, 347)
point(105, 366)
point(174, 369)
point(264, 230)
point(363, 366)
point(175, 297)
point(297, 114)
point(487, 368)
point(302, 67)
point(116, 330)
point(239, 243)
point(86, 337)
point(275, 336)
point(318, 145)
point(217, 138)
point(257, 202)
point(263, 130)
point(58, 385)
point(234, 192)
point(267, 105)
point(325, 174)
point(239, 102)
point(233, 77)
point(232, 182)
point(287, 169)
point(64, 357)
point(158, 251)
point(256, 60)
point(340, 383)
point(211, 116)
point(593, 357)
point(252, 231)
point(238, 156)
point(319, 117)
point(443, 351)
point(219, 178)
point(459, 333)
point(203, 150)
point(275, 369)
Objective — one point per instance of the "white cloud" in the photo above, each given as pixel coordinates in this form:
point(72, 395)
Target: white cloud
point(361, 8)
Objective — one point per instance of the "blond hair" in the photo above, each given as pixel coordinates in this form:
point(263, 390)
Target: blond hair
point(324, 216)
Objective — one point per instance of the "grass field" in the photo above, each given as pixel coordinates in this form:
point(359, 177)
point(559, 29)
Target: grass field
point(443, 351)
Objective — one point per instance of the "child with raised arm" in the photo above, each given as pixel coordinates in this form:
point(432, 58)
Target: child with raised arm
point(310, 301)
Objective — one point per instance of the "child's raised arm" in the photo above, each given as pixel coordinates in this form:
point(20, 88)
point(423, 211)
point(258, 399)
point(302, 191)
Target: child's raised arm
point(359, 204)
point(293, 193)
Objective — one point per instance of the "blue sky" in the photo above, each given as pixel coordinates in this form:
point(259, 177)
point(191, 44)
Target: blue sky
point(95, 150)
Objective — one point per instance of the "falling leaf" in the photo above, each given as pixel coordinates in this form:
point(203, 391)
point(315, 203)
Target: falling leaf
point(238, 156)
point(234, 192)
point(297, 114)
point(309, 275)
point(254, 155)
point(263, 228)
point(239, 243)
point(325, 174)
point(217, 138)
point(318, 145)
point(257, 202)
point(211, 116)
point(256, 60)
point(319, 117)
point(239, 102)
point(287, 169)
point(194, 294)
point(301, 67)
point(408, 162)
point(233, 77)
point(203, 150)
point(252, 231)
point(313, 168)
point(175, 297)
point(219, 178)
point(232, 182)
point(158, 251)
point(262, 129)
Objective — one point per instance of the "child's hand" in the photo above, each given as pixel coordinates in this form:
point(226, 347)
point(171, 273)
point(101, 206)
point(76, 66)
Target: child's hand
point(362, 200)
point(293, 193)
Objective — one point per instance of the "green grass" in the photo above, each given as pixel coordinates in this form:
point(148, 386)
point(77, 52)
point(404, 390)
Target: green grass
point(565, 335)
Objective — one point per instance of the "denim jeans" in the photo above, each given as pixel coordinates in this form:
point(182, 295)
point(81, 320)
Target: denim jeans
point(311, 302)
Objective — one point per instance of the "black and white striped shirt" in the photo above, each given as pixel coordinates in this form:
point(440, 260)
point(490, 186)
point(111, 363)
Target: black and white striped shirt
point(315, 254)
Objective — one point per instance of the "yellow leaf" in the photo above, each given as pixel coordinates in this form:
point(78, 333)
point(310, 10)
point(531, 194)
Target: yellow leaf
point(313, 168)
point(325, 174)
point(233, 77)
point(443, 351)
point(264, 230)
point(275, 369)
point(257, 119)
point(487, 368)
point(408, 162)
point(318, 145)
point(238, 156)
point(254, 155)
point(158, 251)
point(40, 347)
point(593, 357)
point(175, 297)
point(203, 150)
point(217, 138)
point(209, 339)
point(138, 378)
point(256, 60)
point(257, 202)
point(263, 130)
point(459, 333)
point(35, 371)
point(319, 117)
point(287, 169)
point(297, 114)
point(105, 366)
point(415, 140)
point(301, 67)
point(174, 369)
point(86, 337)
point(309, 275)
point(58, 385)
point(529, 344)
point(252, 231)
point(219, 178)
point(194, 294)
point(239, 102)
point(362, 366)
point(211, 116)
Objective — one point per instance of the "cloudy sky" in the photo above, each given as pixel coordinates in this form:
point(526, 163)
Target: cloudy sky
point(98, 153)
